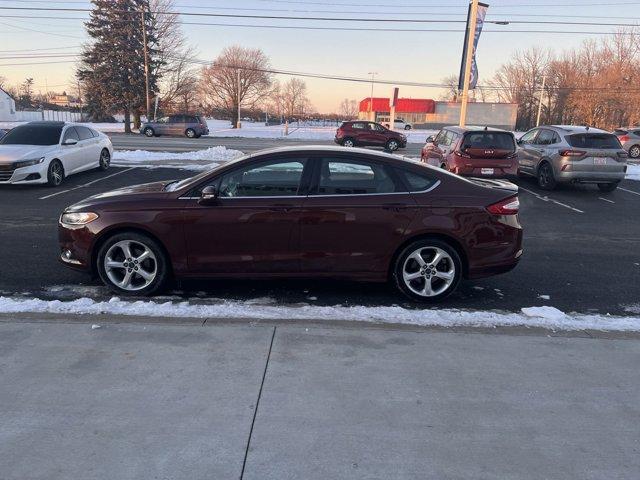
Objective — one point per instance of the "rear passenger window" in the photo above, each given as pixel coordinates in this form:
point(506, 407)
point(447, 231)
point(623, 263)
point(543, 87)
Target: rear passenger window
point(84, 133)
point(416, 182)
point(545, 137)
point(339, 177)
point(594, 140)
point(358, 126)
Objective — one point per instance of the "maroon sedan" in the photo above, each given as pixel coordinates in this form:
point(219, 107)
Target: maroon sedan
point(300, 212)
point(473, 151)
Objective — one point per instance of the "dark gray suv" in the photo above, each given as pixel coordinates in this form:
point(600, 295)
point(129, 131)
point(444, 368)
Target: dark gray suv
point(572, 154)
point(192, 126)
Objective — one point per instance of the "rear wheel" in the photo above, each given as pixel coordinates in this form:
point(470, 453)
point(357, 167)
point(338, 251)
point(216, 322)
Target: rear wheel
point(608, 187)
point(392, 145)
point(105, 160)
point(634, 152)
point(149, 132)
point(348, 142)
point(190, 133)
point(428, 270)
point(55, 173)
point(132, 264)
point(407, 127)
point(546, 179)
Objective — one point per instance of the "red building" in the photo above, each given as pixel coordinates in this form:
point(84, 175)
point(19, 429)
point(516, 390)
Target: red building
point(412, 110)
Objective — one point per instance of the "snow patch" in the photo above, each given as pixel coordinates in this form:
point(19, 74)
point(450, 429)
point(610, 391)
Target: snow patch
point(197, 160)
point(544, 317)
point(633, 171)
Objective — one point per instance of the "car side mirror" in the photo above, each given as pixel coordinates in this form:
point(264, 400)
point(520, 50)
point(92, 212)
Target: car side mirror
point(209, 195)
point(519, 141)
point(69, 141)
point(430, 139)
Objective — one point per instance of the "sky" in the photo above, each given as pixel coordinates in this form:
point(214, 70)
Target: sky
point(423, 57)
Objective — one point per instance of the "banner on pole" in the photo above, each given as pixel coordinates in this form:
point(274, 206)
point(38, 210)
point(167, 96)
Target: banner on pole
point(482, 12)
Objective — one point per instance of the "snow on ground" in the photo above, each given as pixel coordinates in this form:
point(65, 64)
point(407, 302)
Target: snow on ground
point(633, 171)
point(544, 317)
point(198, 160)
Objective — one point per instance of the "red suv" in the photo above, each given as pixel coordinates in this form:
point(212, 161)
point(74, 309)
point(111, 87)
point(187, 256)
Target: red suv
point(473, 151)
point(369, 134)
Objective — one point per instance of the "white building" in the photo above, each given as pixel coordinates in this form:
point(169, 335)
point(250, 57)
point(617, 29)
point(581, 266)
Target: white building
point(7, 107)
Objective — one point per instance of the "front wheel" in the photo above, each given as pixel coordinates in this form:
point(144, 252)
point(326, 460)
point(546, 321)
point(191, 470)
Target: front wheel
point(608, 187)
point(546, 179)
point(428, 270)
point(392, 145)
point(132, 264)
point(149, 132)
point(105, 160)
point(55, 173)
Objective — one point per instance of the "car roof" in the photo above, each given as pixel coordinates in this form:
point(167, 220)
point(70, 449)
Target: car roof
point(473, 128)
point(329, 148)
point(49, 123)
point(575, 128)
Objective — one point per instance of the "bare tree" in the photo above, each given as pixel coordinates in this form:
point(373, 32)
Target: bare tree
point(238, 74)
point(294, 97)
point(450, 91)
point(349, 108)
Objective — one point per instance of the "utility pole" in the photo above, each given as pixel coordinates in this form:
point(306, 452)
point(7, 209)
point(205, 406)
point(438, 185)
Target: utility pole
point(146, 65)
point(373, 76)
point(467, 65)
point(544, 79)
point(238, 125)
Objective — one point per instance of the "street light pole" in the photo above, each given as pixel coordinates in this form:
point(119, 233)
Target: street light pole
point(468, 60)
point(373, 76)
point(146, 64)
point(238, 125)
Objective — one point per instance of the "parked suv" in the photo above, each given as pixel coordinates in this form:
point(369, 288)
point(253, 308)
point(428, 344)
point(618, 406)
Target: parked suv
point(630, 139)
point(473, 151)
point(398, 123)
point(369, 134)
point(192, 126)
point(566, 153)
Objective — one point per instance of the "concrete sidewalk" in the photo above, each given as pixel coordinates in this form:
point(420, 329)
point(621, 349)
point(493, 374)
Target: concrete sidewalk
point(142, 401)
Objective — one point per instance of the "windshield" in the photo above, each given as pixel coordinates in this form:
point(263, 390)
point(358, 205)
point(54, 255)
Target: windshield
point(594, 140)
point(33, 135)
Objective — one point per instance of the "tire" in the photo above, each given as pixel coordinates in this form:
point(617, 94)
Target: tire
point(546, 178)
point(444, 167)
point(55, 173)
point(105, 160)
point(348, 142)
point(634, 151)
point(124, 275)
point(441, 279)
point(148, 132)
point(190, 133)
point(407, 127)
point(608, 187)
point(392, 145)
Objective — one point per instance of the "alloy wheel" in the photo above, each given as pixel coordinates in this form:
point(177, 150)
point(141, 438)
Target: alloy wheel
point(392, 145)
point(148, 132)
point(105, 159)
point(347, 143)
point(130, 265)
point(190, 133)
point(428, 271)
point(57, 173)
point(634, 152)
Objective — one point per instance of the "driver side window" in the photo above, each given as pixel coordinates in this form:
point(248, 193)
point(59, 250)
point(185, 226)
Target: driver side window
point(528, 137)
point(276, 178)
point(70, 134)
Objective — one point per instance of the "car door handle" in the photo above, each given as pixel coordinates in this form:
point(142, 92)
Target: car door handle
point(395, 206)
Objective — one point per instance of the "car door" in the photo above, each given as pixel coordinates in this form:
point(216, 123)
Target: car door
point(250, 227)
point(89, 148)
point(354, 216)
point(380, 134)
point(172, 126)
point(527, 151)
point(71, 155)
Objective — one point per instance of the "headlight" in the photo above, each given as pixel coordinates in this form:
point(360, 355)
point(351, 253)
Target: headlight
point(79, 218)
point(28, 163)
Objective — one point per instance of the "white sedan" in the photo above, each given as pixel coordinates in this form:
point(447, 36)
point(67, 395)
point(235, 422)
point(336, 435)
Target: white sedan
point(47, 152)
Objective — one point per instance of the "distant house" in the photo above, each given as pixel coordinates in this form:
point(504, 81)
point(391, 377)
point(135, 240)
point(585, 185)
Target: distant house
point(7, 107)
point(64, 100)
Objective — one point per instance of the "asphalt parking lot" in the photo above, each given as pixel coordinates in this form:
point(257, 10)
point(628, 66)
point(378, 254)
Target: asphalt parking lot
point(581, 251)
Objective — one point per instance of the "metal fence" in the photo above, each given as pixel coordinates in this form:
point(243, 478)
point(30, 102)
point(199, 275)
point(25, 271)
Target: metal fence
point(47, 115)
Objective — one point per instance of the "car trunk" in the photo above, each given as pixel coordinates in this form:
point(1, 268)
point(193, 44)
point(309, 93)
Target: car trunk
point(595, 152)
point(488, 145)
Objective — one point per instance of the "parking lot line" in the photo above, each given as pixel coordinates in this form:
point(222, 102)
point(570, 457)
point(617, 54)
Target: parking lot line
point(86, 184)
point(606, 200)
point(547, 199)
point(628, 191)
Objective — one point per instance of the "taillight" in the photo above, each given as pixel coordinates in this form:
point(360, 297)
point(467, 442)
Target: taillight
point(508, 206)
point(623, 138)
point(572, 153)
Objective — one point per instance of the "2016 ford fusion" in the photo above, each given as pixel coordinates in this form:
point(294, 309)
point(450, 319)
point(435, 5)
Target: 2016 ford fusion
point(300, 212)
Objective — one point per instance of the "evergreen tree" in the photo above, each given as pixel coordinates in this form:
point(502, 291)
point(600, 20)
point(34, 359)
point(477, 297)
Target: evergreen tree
point(112, 65)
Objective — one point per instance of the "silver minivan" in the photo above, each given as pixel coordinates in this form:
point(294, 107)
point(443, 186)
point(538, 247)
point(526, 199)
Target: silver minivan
point(572, 154)
point(192, 126)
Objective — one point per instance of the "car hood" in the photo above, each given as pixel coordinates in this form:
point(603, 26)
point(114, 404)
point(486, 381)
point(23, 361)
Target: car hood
point(12, 153)
point(122, 195)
